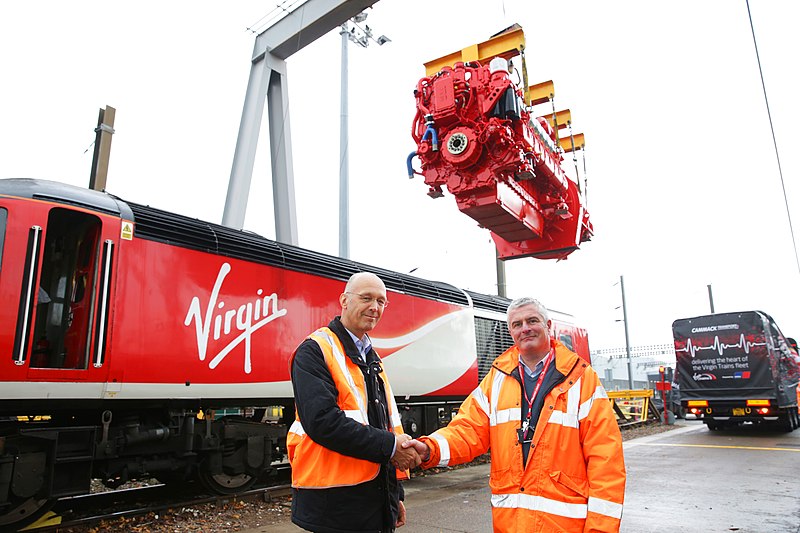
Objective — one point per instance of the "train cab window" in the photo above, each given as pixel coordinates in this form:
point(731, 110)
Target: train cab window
point(3, 218)
point(64, 310)
point(566, 340)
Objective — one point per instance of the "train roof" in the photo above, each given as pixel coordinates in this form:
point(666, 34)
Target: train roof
point(177, 230)
point(53, 191)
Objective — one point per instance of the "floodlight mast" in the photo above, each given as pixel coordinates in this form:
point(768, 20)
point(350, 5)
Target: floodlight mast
point(268, 83)
point(350, 31)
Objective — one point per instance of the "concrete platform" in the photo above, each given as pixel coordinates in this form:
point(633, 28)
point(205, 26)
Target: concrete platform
point(457, 501)
point(685, 480)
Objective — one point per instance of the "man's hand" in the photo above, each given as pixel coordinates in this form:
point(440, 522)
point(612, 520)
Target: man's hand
point(404, 457)
point(401, 515)
point(422, 449)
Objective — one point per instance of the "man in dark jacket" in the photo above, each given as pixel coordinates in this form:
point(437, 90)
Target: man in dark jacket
point(344, 446)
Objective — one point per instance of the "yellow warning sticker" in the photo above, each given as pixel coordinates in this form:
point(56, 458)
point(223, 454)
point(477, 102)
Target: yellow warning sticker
point(127, 230)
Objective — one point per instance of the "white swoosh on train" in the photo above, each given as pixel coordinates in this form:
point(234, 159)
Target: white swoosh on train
point(408, 338)
point(431, 357)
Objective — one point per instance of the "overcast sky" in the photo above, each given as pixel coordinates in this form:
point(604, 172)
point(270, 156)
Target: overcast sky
point(683, 184)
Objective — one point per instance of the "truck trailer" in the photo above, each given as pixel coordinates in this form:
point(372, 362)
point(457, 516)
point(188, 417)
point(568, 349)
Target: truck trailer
point(734, 368)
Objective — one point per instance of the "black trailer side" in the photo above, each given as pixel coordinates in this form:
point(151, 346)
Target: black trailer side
point(736, 367)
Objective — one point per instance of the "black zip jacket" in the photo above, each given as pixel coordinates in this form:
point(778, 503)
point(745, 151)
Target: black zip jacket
point(369, 507)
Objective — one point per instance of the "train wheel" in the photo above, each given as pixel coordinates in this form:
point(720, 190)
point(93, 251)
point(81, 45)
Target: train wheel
point(24, 513)
point(224, 483)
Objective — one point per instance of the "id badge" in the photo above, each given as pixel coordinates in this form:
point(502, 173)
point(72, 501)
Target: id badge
point(522, 435)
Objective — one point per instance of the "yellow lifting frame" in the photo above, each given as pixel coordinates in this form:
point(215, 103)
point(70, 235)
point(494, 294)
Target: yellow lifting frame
point(505, 45)
point(566, 143)
point(541, 93)
point(508, 44)
point(563, 118)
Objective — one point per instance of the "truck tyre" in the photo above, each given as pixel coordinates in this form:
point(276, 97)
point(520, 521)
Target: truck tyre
point(713, 425)
point(786, 421)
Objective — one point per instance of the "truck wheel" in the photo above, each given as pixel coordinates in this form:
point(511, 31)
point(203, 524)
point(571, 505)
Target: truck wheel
point(713, 425)
point(786, 421)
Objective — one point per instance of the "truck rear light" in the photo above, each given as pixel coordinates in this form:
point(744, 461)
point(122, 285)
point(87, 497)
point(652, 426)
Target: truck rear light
point(695, 410)
point(698, 403)
point(758, 403)
point(763, 410)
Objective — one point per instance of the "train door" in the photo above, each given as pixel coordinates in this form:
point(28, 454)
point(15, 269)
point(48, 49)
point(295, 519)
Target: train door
point(66, 299)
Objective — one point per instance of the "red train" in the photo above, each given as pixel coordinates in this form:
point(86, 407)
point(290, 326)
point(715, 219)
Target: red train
point(139, 343)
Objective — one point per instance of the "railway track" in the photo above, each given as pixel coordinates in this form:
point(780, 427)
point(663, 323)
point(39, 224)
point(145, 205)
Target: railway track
point(80, 513)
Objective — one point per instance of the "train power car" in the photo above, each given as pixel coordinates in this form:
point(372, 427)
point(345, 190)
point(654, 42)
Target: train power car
point(139, 343)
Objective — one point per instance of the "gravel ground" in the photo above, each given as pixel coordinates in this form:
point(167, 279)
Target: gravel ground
point(239, 515)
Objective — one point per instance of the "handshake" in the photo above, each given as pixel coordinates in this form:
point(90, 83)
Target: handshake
point(409, 452)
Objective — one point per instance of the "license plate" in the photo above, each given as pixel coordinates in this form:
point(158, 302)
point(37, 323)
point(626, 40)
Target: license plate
point(738, 411)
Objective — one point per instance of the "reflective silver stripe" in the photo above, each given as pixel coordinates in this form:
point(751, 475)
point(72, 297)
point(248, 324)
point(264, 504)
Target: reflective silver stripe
point(574, 397)
point(563, 419)
point(394, 413)
point(599, 394)
point(497, 382)
point(570, 417)
point(341, 360)
point(444, 449)
point(539, 503)
point(481, 399)
point(605, 507)
point(396, 421)
point(297, 428)
point(356, 415)
point(505, 415)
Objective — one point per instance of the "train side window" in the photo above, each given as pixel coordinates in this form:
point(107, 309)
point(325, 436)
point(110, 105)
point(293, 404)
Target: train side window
point(3, 219)
point(566, 340)
point(62, 329)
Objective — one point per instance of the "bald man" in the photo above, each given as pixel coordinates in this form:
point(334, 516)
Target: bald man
point(344, 446)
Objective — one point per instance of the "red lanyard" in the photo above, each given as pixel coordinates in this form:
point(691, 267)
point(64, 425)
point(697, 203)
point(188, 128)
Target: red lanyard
point(538, 382)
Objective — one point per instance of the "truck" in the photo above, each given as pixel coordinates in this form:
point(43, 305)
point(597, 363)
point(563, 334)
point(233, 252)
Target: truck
point(735, 368)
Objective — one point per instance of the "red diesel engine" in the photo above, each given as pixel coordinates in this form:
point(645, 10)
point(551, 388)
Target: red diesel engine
point(476, 137)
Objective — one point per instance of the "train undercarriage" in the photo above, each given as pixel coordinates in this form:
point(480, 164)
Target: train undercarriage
point(43, 458)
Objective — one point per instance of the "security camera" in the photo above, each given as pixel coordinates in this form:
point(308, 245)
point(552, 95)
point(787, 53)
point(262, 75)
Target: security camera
point(383, 40)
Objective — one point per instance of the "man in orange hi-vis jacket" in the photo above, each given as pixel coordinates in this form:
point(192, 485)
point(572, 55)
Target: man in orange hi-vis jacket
point(556, 449)
point(344, 445)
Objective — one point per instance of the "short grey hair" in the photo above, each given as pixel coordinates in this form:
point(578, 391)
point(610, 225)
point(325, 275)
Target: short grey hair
point(527, 300)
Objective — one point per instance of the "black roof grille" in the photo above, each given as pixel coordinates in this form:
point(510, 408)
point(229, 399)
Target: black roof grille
point(489, 301)
point(169, 228)
point(178, 230)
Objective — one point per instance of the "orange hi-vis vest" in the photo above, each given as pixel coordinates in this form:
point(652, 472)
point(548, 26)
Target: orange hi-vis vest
point(574, 479)
point(317, 467)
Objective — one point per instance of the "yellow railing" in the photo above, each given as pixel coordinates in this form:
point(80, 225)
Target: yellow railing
point(632, 406)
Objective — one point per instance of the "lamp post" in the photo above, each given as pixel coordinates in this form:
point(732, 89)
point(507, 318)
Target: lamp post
point(353, 32)
point(627, 341)
point(710, 299)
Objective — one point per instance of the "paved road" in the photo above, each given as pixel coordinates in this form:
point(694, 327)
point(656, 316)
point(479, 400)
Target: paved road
point(694, 480)
point(686, 480)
